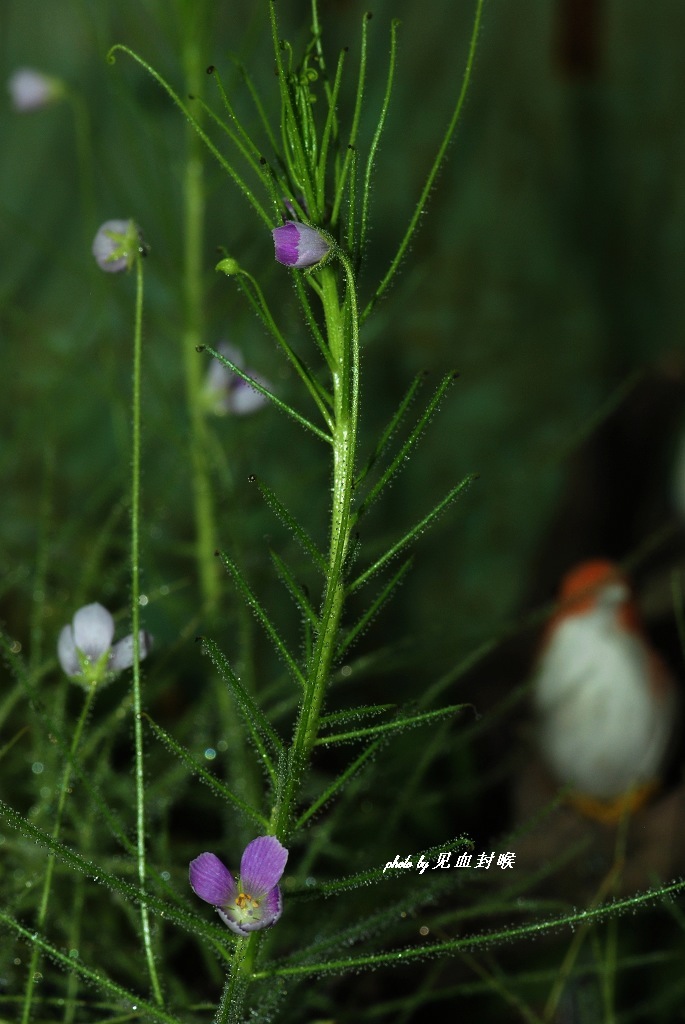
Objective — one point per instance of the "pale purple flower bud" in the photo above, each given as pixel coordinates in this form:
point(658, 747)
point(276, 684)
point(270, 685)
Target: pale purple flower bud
point(116, 245)
point(226, 393)
point(254, 901)
point(32, 90)
point(298, 245)
point(85, 649)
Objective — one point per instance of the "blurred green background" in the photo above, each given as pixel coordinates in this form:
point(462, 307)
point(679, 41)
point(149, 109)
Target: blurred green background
point(547, 272)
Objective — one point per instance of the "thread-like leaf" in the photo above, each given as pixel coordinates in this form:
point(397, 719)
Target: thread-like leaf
point(228, 167)
point(352, 714)
point(348, 883)
point(173, 912)
point(412, 534)
point(397, 725)
point(338, 783)
point(279, 403)
point(352, 141)
point(260, 728)
point(484, 940)
point(391, 428)
point(437, 163)
point(141, 1007)
point(403, 454)
point(217, 787)
point(293, 525)
point(386, 593)
point(294, 588)
point(262, 617)
point(366, 193)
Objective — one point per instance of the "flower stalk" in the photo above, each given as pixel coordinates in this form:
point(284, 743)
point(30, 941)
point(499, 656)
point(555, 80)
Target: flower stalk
point(135, 624)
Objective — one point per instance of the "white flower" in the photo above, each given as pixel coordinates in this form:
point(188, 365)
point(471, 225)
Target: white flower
point(32, 90)
point(116, 245)
point(228, 394)
point(85, 648)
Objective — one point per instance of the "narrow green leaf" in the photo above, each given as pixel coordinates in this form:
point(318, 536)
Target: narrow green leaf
point(293, 525)
point(412, 534)
point(319, 339)
point(532, 929)
point(260, 728)
point(338, 783)
point(397, 725)
point(256, 99)
point(391, 428)
point(283, 406)
point(293, 145)
point(230, 170)
point(262, 617)
point(433, 173)
point(173, 912)
point(385, 594)
point(330, 129)
point(194, 766)
point(248, 154)
point(403, 454)
point(366, 194)
point(350, 154)
point(141, 1007)
point(303, 602)
point(352, 714)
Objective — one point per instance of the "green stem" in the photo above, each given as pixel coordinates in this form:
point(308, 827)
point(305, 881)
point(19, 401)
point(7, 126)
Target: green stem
point(193, 296)
point(49, 871)
point(135, 626)
point(343, 341)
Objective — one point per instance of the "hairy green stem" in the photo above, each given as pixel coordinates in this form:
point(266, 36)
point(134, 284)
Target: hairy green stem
point(343, 340)
point(135, 626)
point(193, 299)
point(64, 790)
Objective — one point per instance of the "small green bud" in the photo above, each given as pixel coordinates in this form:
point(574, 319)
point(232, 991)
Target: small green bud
point(228, 266)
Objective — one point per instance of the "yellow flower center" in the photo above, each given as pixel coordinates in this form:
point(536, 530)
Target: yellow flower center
point(244, 901)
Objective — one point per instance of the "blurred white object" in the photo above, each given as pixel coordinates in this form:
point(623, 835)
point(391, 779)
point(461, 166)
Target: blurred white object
point(228, 394)
point(606, 701)
point(32, 90)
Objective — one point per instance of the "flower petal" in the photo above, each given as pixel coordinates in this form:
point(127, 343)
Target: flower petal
point(66, 652)
point(93, 630)
point(298, 245)
point(122, 651)
point(236, 928)
point(241, 399)
point(115, 245)
point(270, 911)
point(273, 906)
point(211, 880)
point(262, 865)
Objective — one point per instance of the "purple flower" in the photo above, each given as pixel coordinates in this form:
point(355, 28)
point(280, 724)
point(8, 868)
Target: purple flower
point(116, 245)
point(85, 648)
point(254, 901)
point(298, 245)
point(32, 90)
point(226, 393)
